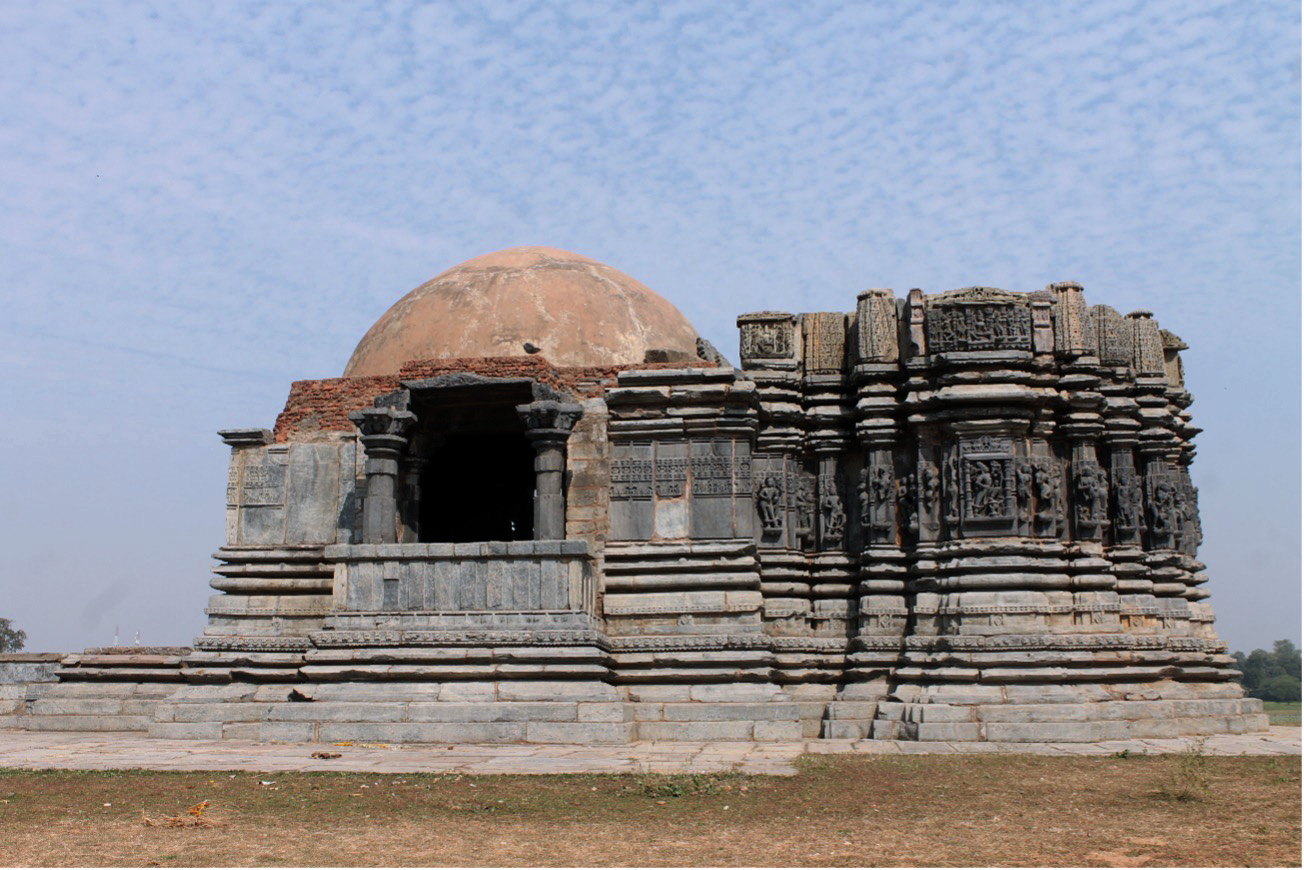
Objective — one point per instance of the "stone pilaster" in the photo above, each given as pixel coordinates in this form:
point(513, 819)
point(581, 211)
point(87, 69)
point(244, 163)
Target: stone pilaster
point(384, 434)
point(548, 425)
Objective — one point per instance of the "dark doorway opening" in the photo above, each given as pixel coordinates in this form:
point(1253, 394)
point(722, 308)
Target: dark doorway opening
point(478, 486)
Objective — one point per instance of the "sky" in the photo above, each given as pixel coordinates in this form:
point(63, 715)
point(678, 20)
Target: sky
point(202, 202)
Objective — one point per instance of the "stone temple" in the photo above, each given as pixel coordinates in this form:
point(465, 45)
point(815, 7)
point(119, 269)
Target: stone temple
point(538, 507)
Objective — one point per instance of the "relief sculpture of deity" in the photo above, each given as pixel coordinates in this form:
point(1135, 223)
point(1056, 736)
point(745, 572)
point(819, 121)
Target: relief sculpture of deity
point(1163, 511)
point(1127, 504)
point(833, 518)
point(769, 500)
point(909, 498)
point(1023, 495)
point(929, 489)
point(1046, 481)
point(1091, 491)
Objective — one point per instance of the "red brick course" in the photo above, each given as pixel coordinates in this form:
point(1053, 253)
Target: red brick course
point(324, 405)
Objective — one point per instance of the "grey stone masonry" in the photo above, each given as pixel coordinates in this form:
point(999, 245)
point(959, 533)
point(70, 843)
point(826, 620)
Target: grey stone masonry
point(954, 517)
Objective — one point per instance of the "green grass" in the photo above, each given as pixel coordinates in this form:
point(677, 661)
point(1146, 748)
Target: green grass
point(1282, 712)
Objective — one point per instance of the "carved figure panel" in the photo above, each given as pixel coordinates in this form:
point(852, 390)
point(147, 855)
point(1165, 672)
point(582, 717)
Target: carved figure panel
point(878, 498)
point(908, 502)
point(671, 473)
point(930, 490)
point(1046, 480)
point(767, 335)
point(987, 485)
point(965, 325)
point(1161, 507)
point(1090, 500)
point(769, 502)
point(1023, 487)
point(833, 517)
point(1128, 512)
point(802, 485)
point(1189, 533)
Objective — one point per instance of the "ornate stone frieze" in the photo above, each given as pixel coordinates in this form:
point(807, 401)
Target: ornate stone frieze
point(978, 319)
point(979, 327)
point(671, 474)
point(246, 643)
point(631, 477)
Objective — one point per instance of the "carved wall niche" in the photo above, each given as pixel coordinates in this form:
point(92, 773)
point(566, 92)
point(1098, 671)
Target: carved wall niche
point(978, 319)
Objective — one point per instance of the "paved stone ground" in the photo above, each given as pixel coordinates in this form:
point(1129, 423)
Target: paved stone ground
point(43, 750)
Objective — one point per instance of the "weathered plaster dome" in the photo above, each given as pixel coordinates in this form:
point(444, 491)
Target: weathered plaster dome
point(575, 311)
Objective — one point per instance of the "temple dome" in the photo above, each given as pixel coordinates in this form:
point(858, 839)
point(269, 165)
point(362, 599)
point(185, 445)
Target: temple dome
point(575, 311)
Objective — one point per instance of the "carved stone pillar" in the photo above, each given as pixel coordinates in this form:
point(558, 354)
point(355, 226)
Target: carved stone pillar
point(384, 437)
point(548, 424)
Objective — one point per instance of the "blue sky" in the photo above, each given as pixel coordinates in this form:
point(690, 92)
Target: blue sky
point(203, 202)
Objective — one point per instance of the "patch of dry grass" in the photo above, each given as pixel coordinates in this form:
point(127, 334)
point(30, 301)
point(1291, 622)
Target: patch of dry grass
point(840, 810)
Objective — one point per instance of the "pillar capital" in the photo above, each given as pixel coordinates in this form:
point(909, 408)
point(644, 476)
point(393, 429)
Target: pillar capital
point(548, 420)
point(384, 435)
point(548, 424)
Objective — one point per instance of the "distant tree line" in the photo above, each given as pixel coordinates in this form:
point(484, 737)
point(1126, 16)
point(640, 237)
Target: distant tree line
point(11, 639)
point(1271, 676)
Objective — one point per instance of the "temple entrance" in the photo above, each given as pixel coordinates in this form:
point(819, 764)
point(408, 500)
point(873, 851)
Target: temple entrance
point(476, 477)
point(478, 487)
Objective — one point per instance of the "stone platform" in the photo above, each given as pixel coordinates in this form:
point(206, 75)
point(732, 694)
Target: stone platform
point(31, 750)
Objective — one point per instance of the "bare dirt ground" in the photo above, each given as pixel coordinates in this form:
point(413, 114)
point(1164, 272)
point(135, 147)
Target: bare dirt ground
point(838, 811)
